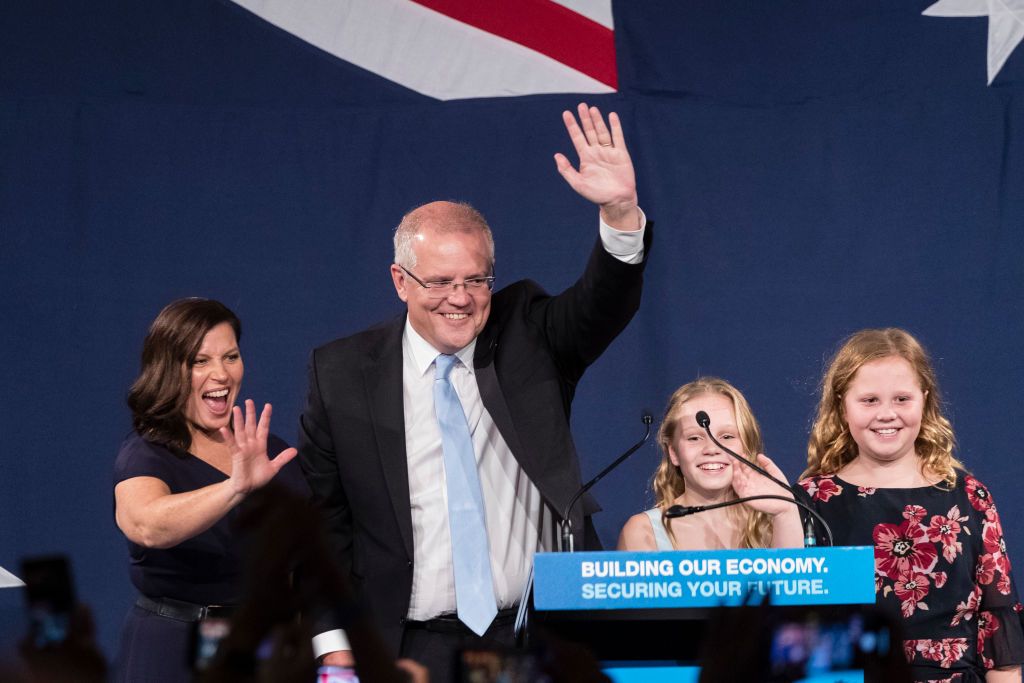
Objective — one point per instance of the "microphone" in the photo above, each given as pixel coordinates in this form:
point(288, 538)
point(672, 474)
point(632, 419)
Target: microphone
point(566, 542)
point(809, 538)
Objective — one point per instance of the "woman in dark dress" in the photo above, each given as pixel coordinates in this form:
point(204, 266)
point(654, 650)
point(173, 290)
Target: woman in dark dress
point(881, 471)
point(178, 481)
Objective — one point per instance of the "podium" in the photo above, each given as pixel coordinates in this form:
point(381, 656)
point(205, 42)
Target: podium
point(654, 606)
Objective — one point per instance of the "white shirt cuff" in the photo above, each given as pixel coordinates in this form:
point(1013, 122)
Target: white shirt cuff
point(330, 641)
point(627, 246)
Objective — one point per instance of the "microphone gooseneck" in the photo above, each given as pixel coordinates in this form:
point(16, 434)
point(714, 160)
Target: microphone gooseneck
point(809, 538)
point(687, 510)
point(566, 542)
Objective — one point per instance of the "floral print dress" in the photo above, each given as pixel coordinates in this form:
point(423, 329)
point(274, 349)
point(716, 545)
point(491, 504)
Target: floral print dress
point(940, 563)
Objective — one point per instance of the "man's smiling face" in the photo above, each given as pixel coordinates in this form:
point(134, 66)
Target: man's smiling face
point(451, 322)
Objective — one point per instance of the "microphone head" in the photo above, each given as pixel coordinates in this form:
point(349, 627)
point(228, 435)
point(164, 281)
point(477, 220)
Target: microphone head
point(646, 417)
point(702, 419)
point(677, 511)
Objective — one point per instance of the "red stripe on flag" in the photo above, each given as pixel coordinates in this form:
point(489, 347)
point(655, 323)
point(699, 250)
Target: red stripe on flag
point(543, 26)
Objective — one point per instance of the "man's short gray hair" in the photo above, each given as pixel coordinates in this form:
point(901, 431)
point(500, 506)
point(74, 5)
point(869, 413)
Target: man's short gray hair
point(444, 217)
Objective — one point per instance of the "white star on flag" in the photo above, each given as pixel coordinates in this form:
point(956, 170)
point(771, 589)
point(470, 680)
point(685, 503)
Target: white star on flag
point(1005, 25)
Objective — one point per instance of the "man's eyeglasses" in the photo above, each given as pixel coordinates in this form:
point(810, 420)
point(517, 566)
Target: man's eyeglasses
point(439, 289)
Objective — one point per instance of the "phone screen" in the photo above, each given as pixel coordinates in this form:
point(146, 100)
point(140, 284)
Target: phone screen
point(336, 674)
point(825, 650)
point(209, 633)
point(207, 636)
point(50, 598)
point(499, 666)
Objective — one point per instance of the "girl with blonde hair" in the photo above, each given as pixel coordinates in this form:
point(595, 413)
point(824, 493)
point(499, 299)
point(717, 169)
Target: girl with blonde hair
point(695, 471)
point(881, 471)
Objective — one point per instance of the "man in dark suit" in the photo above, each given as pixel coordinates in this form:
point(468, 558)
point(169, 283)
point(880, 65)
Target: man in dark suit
point(376, 442)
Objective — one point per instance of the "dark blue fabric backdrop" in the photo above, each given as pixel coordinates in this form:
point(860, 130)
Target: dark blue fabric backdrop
point(814, 168)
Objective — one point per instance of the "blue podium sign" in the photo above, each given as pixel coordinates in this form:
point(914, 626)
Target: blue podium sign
point(704, 578)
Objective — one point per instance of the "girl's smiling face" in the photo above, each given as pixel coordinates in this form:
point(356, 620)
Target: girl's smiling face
point(706, 469)
point(883, 406)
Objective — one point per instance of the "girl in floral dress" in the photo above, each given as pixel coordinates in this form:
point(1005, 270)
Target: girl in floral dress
point(881, 471)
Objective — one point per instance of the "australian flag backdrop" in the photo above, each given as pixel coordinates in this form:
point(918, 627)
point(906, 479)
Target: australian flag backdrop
point(814, 167)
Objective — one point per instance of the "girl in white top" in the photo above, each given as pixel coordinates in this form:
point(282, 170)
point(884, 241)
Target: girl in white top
point(694, 471)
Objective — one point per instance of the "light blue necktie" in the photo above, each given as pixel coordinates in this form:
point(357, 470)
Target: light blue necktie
point(474, 590)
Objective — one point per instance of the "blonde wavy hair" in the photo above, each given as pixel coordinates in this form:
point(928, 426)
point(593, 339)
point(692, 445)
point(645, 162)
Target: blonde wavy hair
point(831, 446)
point(668, 482)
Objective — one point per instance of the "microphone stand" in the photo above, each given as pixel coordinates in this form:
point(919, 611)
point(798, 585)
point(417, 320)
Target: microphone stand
point(809, 539)
point(519, 627)
point(565, 542)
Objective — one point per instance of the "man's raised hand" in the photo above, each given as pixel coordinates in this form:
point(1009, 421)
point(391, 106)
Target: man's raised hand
point(605, 174)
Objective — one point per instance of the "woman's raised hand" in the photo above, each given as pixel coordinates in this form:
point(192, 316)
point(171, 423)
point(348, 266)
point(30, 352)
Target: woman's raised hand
point(250, 466)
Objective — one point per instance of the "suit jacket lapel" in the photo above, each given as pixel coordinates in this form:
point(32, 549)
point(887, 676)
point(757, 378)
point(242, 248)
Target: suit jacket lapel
point(494, 400)
point(383, 380)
